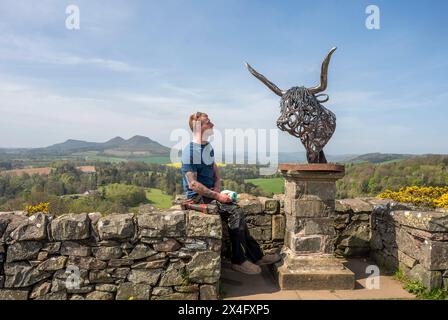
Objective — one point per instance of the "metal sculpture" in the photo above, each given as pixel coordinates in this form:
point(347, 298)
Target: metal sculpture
point(303, 115)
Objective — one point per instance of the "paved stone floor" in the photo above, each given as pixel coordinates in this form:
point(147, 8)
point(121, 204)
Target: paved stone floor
point(238, 286)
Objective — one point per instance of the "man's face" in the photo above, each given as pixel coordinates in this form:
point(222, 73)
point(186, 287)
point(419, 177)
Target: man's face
point(206, 127)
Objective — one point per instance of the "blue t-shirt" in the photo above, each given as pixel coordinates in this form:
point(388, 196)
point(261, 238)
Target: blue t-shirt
point(199, 158)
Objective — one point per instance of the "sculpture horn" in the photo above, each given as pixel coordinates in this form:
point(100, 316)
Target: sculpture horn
point(263, 79)
point(323, 74)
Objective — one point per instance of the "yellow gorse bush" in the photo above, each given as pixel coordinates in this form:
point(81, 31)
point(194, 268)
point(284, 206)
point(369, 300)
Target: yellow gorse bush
point(432, 197)
point(41, 207)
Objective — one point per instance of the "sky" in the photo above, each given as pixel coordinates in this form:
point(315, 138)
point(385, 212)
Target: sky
point(141, 67)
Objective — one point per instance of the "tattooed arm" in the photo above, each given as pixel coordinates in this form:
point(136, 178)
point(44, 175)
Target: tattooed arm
point(198, 187)
point(217, 186)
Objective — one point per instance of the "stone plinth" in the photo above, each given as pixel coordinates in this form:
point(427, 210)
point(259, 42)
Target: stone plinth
point(309, 263)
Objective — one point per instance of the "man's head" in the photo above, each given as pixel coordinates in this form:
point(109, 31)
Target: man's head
point(201, 125)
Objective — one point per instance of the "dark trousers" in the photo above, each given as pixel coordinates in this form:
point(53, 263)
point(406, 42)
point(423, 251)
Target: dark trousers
point(243, 245)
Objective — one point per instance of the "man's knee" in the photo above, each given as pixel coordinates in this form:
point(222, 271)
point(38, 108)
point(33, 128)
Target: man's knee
point(237, 219)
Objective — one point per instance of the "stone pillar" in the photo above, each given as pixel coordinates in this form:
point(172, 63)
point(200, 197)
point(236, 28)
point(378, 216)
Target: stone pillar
point(309, 262)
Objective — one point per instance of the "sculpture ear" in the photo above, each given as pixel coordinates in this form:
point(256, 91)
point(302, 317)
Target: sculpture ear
point(323, 74)
point(263, 79)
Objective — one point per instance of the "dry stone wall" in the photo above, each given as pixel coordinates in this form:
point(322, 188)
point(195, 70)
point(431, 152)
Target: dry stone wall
point(156, 255)
point(414, 240)
point(266, 221)
point(175, 254)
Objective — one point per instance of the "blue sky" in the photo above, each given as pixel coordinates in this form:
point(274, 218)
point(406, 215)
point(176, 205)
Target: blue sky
point(141, 67)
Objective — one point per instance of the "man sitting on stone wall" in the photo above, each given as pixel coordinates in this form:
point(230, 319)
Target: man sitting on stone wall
point(202, 185)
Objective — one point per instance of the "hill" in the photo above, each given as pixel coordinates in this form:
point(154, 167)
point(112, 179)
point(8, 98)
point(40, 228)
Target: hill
point(137, 145)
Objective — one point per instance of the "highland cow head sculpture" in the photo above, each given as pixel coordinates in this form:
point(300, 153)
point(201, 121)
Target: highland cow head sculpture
point(303, 115)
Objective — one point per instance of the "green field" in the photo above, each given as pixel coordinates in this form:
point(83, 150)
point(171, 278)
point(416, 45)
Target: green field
point(274, 185)
point(96, 156)
point(158, 198)
point(153, 159)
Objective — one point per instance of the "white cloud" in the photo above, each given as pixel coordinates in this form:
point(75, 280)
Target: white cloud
point(41, 50)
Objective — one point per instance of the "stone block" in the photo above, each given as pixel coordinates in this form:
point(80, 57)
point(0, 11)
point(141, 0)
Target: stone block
point(177, 296)
point(40, 289)
point(8, 223)
point(167, 245)
point(86, 263)
point(356, 234)
point(355, 205)
point(429, 279)
point(25, 250)
point(116, 263)
point(133, 291)
point(435, 255)
point(305, 244)
point(162, 224)
point(106, 287)
point(71, 227)
point(251, 207)
point(261, 233)
point(174, 275)
point(278, 227)
point(294, 189)
point(59, 295)
point(52, 247)
point(208, 292)
point(70, 248)
point(141, 251)
point(204, 267)
point(310, 226)
point(144, 276)
point(424, 220)
point(324, 190)
point(310, 272)
point(406, 260)
point(162, 291)
point(309, 206)
point(6, 294)
point(34, 228)
point(116, 227)
point(203, 225)
point(270, 206)
point(100, 276)
point(53, 264)
point(99, 295)
point(22, 274)
point(108, 253)
point(259, 220)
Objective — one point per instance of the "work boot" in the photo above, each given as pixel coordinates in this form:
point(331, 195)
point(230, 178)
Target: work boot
point(247, 267)
point(269, 259)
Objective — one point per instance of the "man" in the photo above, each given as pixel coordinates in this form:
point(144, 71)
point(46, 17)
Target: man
point(202, 184)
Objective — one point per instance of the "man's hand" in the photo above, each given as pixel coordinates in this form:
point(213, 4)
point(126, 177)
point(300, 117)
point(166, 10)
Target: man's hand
point(224, 198)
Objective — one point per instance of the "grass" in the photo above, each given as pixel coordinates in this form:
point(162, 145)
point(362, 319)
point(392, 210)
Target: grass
point(421, 292)
point(274, 185)
point(158, 198)
point(94, 155)
point(152, 159)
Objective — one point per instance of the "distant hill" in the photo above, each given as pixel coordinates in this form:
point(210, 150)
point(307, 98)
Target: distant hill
point(379, 157)
point(137, 145)
point(346, 158)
